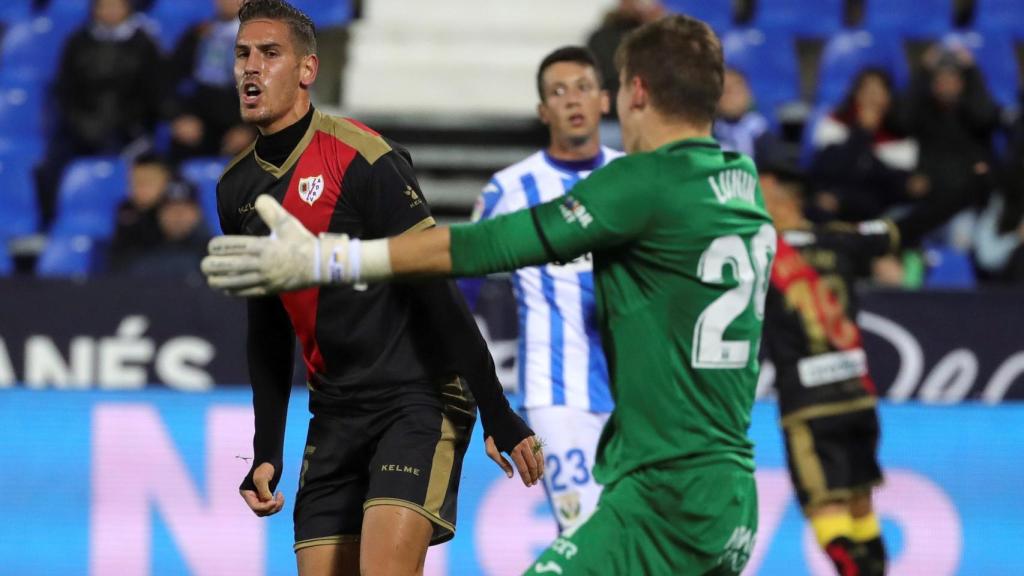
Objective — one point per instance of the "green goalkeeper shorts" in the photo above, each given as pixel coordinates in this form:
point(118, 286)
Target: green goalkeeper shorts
point(673, 519)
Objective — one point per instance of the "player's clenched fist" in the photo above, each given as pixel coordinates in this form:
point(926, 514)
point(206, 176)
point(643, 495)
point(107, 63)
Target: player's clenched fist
point(262, 501)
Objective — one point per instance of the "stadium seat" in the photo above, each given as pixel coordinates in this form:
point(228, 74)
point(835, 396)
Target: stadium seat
point(849, 52)
point(718, 14)
point(909, 18)
point(994, 53)
point(70, 10)
point(89, 193)
point(173, 17)
point(6, 262)
point(204, 173)
point(1005, 16)
point(16, 10)
point(949, 268)
point(768, 60)
point(19, 211)
point(66, 257)
point(793, 16)
point(31, 49)
point(21, 109)
point(326, 14)
point(807, 139)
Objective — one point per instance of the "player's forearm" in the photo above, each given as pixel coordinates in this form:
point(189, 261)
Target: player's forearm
point(270, 354)
point(426, 253)
point(464, 351)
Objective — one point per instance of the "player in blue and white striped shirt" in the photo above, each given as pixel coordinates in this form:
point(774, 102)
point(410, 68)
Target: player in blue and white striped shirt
point(562, 369)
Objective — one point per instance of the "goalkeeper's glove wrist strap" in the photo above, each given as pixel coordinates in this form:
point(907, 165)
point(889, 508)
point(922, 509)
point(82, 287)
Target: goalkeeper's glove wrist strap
point(351, 260)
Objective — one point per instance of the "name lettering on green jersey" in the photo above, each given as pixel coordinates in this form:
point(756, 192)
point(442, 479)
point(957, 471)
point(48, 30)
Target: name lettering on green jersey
point(734, 184)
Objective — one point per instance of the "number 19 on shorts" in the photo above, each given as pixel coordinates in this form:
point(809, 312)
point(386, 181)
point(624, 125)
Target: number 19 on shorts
point(751, 269)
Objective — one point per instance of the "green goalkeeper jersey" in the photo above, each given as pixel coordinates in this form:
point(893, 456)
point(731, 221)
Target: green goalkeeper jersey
point(682, 249)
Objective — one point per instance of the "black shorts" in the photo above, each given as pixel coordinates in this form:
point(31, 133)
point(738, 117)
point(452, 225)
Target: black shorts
point(401, 446)
point(833, 458)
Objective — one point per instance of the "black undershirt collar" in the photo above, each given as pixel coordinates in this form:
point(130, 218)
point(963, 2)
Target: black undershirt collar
point(277, 147)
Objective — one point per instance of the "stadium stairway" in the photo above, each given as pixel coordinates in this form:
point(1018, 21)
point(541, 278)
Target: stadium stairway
point(459, 58)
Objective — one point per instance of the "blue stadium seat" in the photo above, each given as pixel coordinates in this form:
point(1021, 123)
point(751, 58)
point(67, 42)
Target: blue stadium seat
point(174, 17)
point(89, 193)
point(768, 59)
point(69, 10)
point(910, 18)
point(717, 13)
point(326, 14)
point(31, 49)
point(1000, 15)
point(66, 257)
point(19, 210)
point(794, 16)
point(949, 268)
point(15, 10)
point(994, 53)
point(807, 139)
point(204, 173)
point(6, 262)
point(21, 109)
point(847, 53)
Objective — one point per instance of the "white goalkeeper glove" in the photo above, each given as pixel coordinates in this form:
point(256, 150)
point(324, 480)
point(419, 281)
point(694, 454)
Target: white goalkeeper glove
point(291, 258)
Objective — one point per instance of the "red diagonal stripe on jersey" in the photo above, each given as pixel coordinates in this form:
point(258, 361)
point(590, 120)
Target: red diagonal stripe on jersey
point(315, 214)
point(791, 267)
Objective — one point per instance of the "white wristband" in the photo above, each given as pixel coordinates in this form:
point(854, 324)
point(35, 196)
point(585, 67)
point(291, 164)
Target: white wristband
point(374, 261)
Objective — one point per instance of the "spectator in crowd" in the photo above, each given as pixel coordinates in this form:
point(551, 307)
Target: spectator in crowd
point(863, 161)
point(106, 89)
point(137, 230)
point(999, 232)
point(204, 112)
point(951, 114)
point(739, 127)
point(182, 237)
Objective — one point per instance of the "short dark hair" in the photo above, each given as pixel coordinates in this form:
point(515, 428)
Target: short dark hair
point(680, 59)
point(302, 27)
point(578, 54)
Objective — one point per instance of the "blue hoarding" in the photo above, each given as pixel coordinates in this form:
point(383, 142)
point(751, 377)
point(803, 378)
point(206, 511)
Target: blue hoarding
point(145, 483)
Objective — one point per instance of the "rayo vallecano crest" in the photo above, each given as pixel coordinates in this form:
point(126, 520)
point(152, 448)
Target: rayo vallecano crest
point(311, 188)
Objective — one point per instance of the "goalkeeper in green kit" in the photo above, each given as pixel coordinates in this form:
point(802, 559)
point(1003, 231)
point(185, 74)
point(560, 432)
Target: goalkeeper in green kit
point(682, 251)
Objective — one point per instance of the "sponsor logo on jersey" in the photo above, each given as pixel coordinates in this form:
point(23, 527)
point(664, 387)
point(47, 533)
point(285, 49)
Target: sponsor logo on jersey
point(573, 211)
point(738, 549)
point(413, 196)
point(400, 468)
point(548, 567)
point(310, 189)
point(734, 185)
point(567, 506)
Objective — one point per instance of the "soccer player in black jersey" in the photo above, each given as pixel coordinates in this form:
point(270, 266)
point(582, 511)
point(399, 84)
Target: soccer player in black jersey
point(826, 396)
point(388, 364)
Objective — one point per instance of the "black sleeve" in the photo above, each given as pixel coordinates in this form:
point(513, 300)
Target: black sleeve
point(270, 347)
point(455, 339)
point(392, 203)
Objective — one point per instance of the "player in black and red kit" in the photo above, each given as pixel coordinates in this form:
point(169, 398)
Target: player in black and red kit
point(825, 393)
point(388, 364)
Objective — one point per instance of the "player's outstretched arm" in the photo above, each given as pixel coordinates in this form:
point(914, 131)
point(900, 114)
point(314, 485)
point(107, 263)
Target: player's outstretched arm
point(292, 258)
